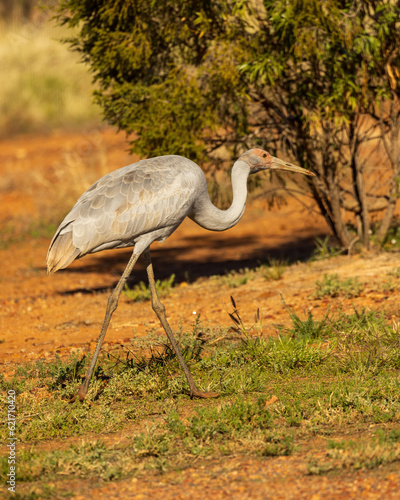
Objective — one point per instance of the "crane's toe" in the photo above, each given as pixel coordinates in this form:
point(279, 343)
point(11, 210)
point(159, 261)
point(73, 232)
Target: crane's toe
point(199, 394)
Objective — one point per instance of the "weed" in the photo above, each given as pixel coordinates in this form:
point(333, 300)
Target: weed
point(240, 328)
point(324, 249)
point(332, 286)
point(152, 443)
point(274, 269)
point(141, 292)
point(308, 328)
point(279, 445)
point(365, 343)
point(235, 279)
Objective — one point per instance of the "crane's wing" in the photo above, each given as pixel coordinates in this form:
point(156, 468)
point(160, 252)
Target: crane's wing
point(139, 199)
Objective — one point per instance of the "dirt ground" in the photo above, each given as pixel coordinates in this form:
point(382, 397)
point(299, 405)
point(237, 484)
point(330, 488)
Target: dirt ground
point(41, 316)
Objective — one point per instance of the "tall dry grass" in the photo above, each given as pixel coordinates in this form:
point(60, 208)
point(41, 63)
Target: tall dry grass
point(43, 86)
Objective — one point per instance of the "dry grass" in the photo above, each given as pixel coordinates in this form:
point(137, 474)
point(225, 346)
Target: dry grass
point(46, 87)
point(40, 185)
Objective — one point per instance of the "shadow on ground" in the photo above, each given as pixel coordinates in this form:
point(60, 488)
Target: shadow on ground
point(172, 260)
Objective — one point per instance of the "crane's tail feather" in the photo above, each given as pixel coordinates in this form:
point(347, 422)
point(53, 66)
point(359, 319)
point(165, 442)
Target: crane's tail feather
point(61, 252)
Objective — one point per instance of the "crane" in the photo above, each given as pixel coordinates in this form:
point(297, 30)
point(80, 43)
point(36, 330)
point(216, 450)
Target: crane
point(146, 202)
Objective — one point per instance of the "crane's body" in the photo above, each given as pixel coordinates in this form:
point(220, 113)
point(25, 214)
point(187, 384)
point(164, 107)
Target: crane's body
point(121, 209)
point(146, 202)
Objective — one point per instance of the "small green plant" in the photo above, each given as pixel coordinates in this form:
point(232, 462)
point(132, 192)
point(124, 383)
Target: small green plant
point(365, 343)
point(152, 443)
point(324, 249)
point(274, 269)
point(309, 328)
point(332, 286)
point(278, 445)
point(141, 292)
point(296, 347)
point(235, 279)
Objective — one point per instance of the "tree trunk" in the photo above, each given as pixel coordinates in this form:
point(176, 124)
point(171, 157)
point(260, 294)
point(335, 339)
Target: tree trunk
point(358, 183)
point(393, 153)
point(340, 229)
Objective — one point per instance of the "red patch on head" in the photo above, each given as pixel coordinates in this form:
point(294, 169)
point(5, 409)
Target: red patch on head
point(261, 153)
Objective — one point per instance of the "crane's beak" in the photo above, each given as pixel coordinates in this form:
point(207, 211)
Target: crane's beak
point(277, 164)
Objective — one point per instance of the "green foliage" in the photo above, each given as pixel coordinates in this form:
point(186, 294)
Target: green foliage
point(171, 84)
point(365, 343)
point(361, 454)
point(163, 69)
point(141, 291)
point(308, 328)
point(189, 77)
point(272, 270)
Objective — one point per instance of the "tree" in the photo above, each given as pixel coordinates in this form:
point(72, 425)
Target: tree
point(317, 80)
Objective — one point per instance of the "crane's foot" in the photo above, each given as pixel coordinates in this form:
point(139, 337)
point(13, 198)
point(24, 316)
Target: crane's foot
point(81, 395)
point(199, 394)
point(81, 399)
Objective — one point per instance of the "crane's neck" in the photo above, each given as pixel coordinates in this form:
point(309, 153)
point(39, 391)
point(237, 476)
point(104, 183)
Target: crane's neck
point(212, 218)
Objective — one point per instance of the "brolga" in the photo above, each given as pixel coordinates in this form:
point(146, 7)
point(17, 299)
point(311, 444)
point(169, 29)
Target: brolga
point(146, 202)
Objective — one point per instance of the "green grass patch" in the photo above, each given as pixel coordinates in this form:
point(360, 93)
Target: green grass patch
point(332, 286)
point(366, 453)
point(235, 279)
point(316, 377)
point(271, 270)
point(10, 234)
point(141, 291)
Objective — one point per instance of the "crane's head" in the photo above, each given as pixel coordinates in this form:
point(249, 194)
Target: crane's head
point(258, 159)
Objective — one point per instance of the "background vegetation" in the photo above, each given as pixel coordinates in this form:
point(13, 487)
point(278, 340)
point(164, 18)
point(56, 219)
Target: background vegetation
point(44, 87)
point(315, 80)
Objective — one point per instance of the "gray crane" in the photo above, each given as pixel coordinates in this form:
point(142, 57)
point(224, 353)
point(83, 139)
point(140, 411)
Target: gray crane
point(144, 202)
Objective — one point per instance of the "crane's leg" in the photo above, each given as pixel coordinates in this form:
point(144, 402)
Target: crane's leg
point(159, 309)
point(111, 306)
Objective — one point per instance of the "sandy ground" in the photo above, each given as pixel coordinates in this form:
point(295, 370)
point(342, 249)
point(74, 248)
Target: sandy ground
point(41, 316)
